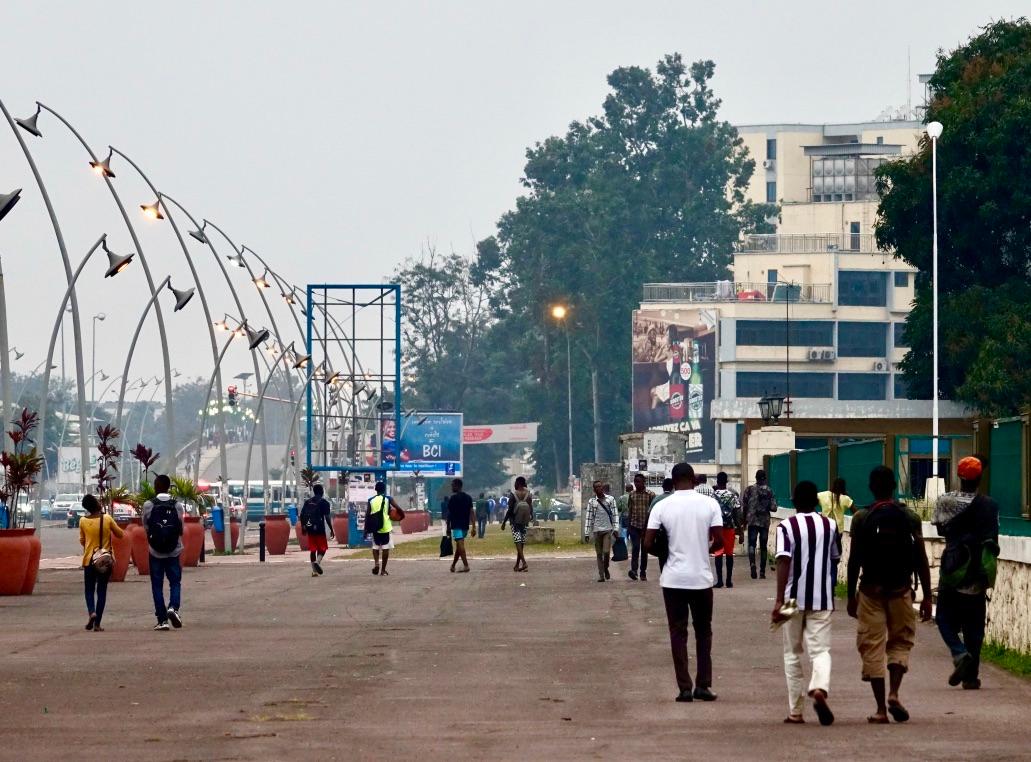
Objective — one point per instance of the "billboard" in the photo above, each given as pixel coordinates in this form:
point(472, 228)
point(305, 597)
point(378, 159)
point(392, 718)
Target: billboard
point(500, 433)
point(69, 465)
point(430, 443)
point(674, 375)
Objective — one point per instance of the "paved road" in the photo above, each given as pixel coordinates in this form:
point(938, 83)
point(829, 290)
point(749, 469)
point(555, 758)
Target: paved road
point(273, 664)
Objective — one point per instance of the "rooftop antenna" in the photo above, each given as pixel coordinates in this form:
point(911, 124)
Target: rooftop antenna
point(909, 82)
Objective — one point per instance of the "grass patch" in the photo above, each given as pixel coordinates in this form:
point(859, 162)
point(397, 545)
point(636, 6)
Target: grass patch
point(499, 543)
point(1009, 659)
point(841, 590)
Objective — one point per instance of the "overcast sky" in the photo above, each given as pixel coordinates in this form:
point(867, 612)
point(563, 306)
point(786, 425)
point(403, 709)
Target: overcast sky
point(337, 138)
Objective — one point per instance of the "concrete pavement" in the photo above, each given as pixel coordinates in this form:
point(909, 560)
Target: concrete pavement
point(272, 664)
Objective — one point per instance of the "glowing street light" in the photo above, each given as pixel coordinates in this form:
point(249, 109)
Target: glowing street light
point(153, 210)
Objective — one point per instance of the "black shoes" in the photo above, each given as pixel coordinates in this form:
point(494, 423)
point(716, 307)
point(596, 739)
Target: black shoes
point(729, 583)
point(754, 575)
point(607, 575)
point(644, 576)
point(959, 674)
point(968, 685)
point(704, 694)
point(632, 574)
point(719, 583)
point(685, 696)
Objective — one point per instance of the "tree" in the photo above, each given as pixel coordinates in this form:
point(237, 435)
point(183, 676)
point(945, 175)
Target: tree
point(981, 93)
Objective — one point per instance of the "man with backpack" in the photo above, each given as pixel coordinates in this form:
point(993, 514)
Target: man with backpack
point(378, 523)
point(163, 523)
point(886, 548)
point(759, 503)
point(970, 525)
point(315, 518)
point(730, 509)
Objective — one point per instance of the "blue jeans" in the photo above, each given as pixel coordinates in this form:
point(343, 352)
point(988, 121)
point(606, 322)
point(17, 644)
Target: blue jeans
point(481, 526)
point(962, 614)
point(159, 569)
point(96, 591)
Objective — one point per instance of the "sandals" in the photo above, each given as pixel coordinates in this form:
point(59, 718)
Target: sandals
point(874, 719)
point(791, 720)
point(898, 712)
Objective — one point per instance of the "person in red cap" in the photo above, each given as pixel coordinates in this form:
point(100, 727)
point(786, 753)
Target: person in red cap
point(969, 523)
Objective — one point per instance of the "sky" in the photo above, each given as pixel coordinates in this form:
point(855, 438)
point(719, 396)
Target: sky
point(338, 138)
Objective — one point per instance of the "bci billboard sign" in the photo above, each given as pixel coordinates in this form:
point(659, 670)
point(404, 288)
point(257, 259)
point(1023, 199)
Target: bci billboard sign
point(430, 443)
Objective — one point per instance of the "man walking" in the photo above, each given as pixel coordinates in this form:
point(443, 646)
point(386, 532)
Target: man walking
point(639, 501)
point(314, 519)
point(730, 509)
point(805, 548)
point(623, 503)
point(759, 504)
point(970, 525)
point(702, 486)
point(693, 525)
point(459, 519)
point(482, 514)
point(163, 522)
point(602, 526)
point(379, 524)
point(886, 547)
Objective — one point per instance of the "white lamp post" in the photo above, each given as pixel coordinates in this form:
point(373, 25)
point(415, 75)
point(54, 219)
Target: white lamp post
point(935, 485)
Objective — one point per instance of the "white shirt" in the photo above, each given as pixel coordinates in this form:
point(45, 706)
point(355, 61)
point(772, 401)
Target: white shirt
point(687, 517)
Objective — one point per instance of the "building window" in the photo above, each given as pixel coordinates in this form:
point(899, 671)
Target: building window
point(758, 383)
point(739, 435)
point(901, 342)
point(901, 388)
point(853, 236)
point(862, 386)
point(771, 192)
point(844, 178)
point(771, 148)
point(880, 140)
point(857, 339)
point(862, 288)
point(901, 280)
point(771, 333)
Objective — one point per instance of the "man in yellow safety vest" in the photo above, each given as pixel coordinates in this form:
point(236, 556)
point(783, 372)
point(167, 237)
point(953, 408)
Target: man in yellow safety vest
point(378, 524)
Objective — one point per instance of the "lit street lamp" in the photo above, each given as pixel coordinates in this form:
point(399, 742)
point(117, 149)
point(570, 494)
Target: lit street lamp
point(934, 131)
point(560, 312)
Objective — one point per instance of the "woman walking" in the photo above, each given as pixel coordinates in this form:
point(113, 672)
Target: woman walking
point(95, 533)
point(519, 514)
point(833, 504)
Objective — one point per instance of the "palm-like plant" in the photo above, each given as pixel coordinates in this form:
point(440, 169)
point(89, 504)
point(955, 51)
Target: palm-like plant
point(146, 458)
point(310, 477)
point(145, 492)
point(21, 465)
point(107, 462)
point(186, 489)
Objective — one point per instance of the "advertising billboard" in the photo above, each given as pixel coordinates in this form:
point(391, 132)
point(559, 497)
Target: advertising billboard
point(430, 443)
point(500, 433)
point(674, 375)
point(69, 465)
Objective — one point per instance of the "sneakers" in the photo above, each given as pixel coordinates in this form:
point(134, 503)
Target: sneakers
point(175, 618)
point(161, 626)
point(317, 567)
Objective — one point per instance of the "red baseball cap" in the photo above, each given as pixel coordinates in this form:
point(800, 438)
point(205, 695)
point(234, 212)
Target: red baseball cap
point(970, 468)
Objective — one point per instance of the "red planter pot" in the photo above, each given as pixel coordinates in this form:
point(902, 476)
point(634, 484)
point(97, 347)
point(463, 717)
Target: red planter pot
point(219, 538)
point(193, 540)
point(340, 528)
point(302, 539)
point(140, 547)
point(122, 549)
point(18, 572)
point(277, 533)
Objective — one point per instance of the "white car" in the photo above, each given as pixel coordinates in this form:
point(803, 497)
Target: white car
point(123, 512)
point(67, 506)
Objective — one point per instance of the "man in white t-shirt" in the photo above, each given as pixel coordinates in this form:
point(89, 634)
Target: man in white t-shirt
point(693, 524)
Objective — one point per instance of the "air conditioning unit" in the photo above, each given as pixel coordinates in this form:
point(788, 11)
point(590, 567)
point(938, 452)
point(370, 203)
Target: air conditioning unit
point(769, 163)
point(814, 354)
point(827, 354)
point(881, 366)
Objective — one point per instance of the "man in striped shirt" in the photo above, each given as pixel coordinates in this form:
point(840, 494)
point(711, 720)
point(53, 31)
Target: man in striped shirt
point(805, 552)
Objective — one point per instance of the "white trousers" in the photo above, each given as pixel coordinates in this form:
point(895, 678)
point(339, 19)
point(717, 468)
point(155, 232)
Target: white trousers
point(813, 630)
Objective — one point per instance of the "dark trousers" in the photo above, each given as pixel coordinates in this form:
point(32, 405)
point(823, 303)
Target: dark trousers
point(961, 614)
point(762, 534)
point(96, 591)
point(637, 550)
point(481, 526)
point(679, 603)
point(159, 569)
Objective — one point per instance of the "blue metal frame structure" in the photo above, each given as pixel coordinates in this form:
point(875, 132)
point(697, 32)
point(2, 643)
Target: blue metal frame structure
point(353, 297)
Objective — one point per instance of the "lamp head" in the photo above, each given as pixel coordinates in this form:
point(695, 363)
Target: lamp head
point(254, 338)
point(934, 130)
point(17, 355)
point(104, 376)
point(559, 311)
point(29, 124)
point(182, 298)
point(116, 262)
point(237, 259)
point(262, 281)
point(289, 298)
point(103, 168)
point(301, 361)
point(152, 210)
point(333, 377)
point(100, 316)
point(199, 234)
point(8, 200)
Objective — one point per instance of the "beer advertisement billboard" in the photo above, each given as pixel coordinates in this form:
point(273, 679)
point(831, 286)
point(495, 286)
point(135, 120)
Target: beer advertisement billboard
point(674, 375)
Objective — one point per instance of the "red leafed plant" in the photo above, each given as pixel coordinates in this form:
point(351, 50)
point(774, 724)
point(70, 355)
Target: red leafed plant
point(107, 463)
point(21, 464)
point(146, 457)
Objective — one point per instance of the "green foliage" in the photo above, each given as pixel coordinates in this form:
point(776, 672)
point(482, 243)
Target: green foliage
point(309, 477)
point(185, 489)
point(21, 464)
point(145, 492)
point(981, 93)
point(1009, 659)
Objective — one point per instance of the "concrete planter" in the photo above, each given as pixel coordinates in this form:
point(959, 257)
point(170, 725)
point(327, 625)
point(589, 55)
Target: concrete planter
point(193, 540)
point(19, 561)
point(277, 533)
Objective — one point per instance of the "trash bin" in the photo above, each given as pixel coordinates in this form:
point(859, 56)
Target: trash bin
point(291, 513)
point(218, 521)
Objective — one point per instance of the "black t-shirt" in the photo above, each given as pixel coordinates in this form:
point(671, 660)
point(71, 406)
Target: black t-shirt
point(459, 511)
point(322, 514)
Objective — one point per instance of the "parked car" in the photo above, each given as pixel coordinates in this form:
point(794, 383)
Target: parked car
point(74, 514)
point(123, 512)
point(556, 511)
point(63, 506)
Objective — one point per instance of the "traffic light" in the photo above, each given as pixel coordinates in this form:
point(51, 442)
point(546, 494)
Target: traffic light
point(232, 396)
point(293, 457)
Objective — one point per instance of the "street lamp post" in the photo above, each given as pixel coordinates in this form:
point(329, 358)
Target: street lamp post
point(560, 312)
point(934, 131)
point(93, 361)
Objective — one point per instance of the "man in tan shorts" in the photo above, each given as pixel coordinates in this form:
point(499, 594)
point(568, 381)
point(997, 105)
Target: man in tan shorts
point(887, 547)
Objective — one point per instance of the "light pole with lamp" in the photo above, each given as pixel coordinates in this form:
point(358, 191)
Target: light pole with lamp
point(93, 361)
point(560, 312)
point(936, 485)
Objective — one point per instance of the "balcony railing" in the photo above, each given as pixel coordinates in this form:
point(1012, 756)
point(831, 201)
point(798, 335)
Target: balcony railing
point(730, 291)
point(807, 243)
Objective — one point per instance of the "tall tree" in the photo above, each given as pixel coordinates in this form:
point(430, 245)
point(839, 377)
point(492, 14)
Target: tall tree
point(981, 93)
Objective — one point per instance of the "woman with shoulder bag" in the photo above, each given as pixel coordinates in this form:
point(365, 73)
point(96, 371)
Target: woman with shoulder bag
point(95, 532)
point(520, 515)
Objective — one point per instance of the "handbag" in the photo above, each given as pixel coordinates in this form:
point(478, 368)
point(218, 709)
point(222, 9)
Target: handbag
point(619, 552)
point(102, 560)
point(446, 548)
point(660, 546)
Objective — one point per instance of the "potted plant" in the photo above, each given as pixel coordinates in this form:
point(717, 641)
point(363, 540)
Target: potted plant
point(186, 490)
point(19, 547)
point(140, 547)
point(309, 477)
point(107, 468)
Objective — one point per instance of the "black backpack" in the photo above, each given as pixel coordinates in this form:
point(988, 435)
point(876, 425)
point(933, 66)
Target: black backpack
point(311, 516)
point(889, 548)
point(164, 528)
